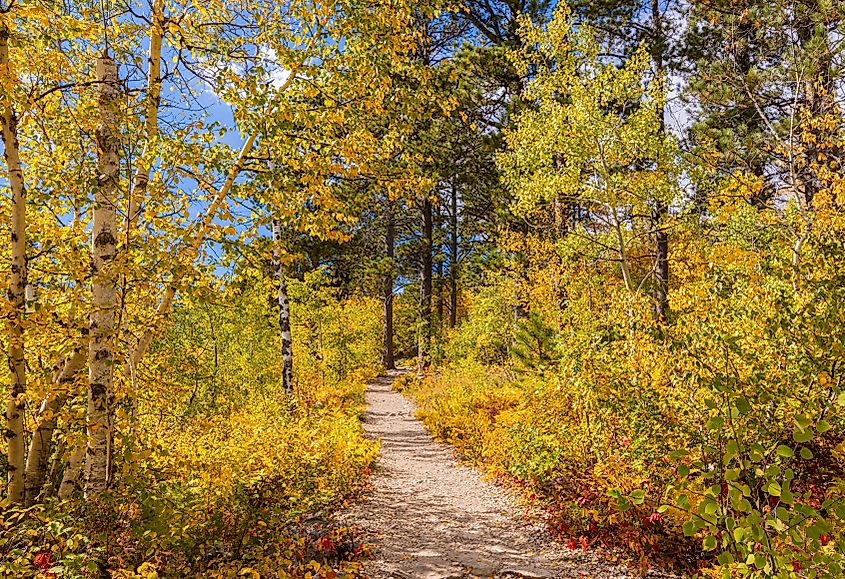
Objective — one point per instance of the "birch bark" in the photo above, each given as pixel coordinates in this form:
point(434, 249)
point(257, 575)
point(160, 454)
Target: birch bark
point(17, 281)
point(284, 309)
point(103, 286)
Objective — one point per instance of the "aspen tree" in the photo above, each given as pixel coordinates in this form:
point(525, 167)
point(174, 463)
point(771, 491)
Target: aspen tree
point(152, 104)
point(41, 441)
point(17, 279)
point(103, 283)
point(617, 163)
point(284, 308)
point(42, 436)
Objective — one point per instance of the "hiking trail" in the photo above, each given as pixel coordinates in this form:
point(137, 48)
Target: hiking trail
point(429, 517)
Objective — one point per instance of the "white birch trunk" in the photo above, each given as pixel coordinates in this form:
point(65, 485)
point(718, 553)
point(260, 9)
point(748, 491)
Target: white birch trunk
point(42, 436)
point(54, 403)
point(70, 478)
point(623, 254)
point(17, 287)
point(103, 290)
point(284, 309)
point(153, 102)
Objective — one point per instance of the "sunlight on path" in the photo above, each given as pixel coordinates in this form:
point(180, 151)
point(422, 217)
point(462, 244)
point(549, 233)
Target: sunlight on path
point(431, 518)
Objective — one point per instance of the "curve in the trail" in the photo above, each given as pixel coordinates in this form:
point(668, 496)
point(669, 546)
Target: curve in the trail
point(431, 518)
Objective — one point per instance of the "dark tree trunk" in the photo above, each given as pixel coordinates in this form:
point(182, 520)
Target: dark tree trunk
point(661, 211)
point(441, 297)
point(662, 270)
point(453, 258)
point(389, 247)
point(424, 350)
point(440, 285)
point(817, 93)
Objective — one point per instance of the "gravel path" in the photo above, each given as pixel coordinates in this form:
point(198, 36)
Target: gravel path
point(431, 518)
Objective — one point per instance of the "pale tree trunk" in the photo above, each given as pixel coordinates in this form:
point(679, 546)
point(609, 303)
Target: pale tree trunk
point(103, 290)
point(389, 250)
point(140, 181)
point(70, 478)
point(199, 235)
point(424, 351)
point(141, 177)
point(621, 250)
point(284, 309)
point(17, 284)
point(42, 436)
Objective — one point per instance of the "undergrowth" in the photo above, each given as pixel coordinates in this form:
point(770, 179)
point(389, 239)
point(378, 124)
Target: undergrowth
point(223, 474)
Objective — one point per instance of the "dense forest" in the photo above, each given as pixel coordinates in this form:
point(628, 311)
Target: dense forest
point(605, 239)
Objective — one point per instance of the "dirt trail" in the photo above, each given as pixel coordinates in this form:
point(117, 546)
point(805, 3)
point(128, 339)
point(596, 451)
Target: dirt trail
point(432, 518)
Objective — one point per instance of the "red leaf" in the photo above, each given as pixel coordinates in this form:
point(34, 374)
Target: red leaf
point(43, 561)
point(824, 539)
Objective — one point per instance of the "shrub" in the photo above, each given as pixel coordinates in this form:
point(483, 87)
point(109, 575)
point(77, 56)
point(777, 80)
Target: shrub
point(221, 474)
point(715, 439)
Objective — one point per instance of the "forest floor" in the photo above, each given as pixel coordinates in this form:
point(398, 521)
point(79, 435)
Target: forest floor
point(429, 517)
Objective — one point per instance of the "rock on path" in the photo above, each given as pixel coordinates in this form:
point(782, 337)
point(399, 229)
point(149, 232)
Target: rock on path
point(432, 518)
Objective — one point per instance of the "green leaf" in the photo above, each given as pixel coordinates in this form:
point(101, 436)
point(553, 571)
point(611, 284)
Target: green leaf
point(785, 451)
point(731, 450)
point(715, 423)
point(725, 559)
point(806, 453)
point(709, 543)
point(822, 426)
point(799, 435)
point(802, 421)
point(743, 406)
point(773, 488)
